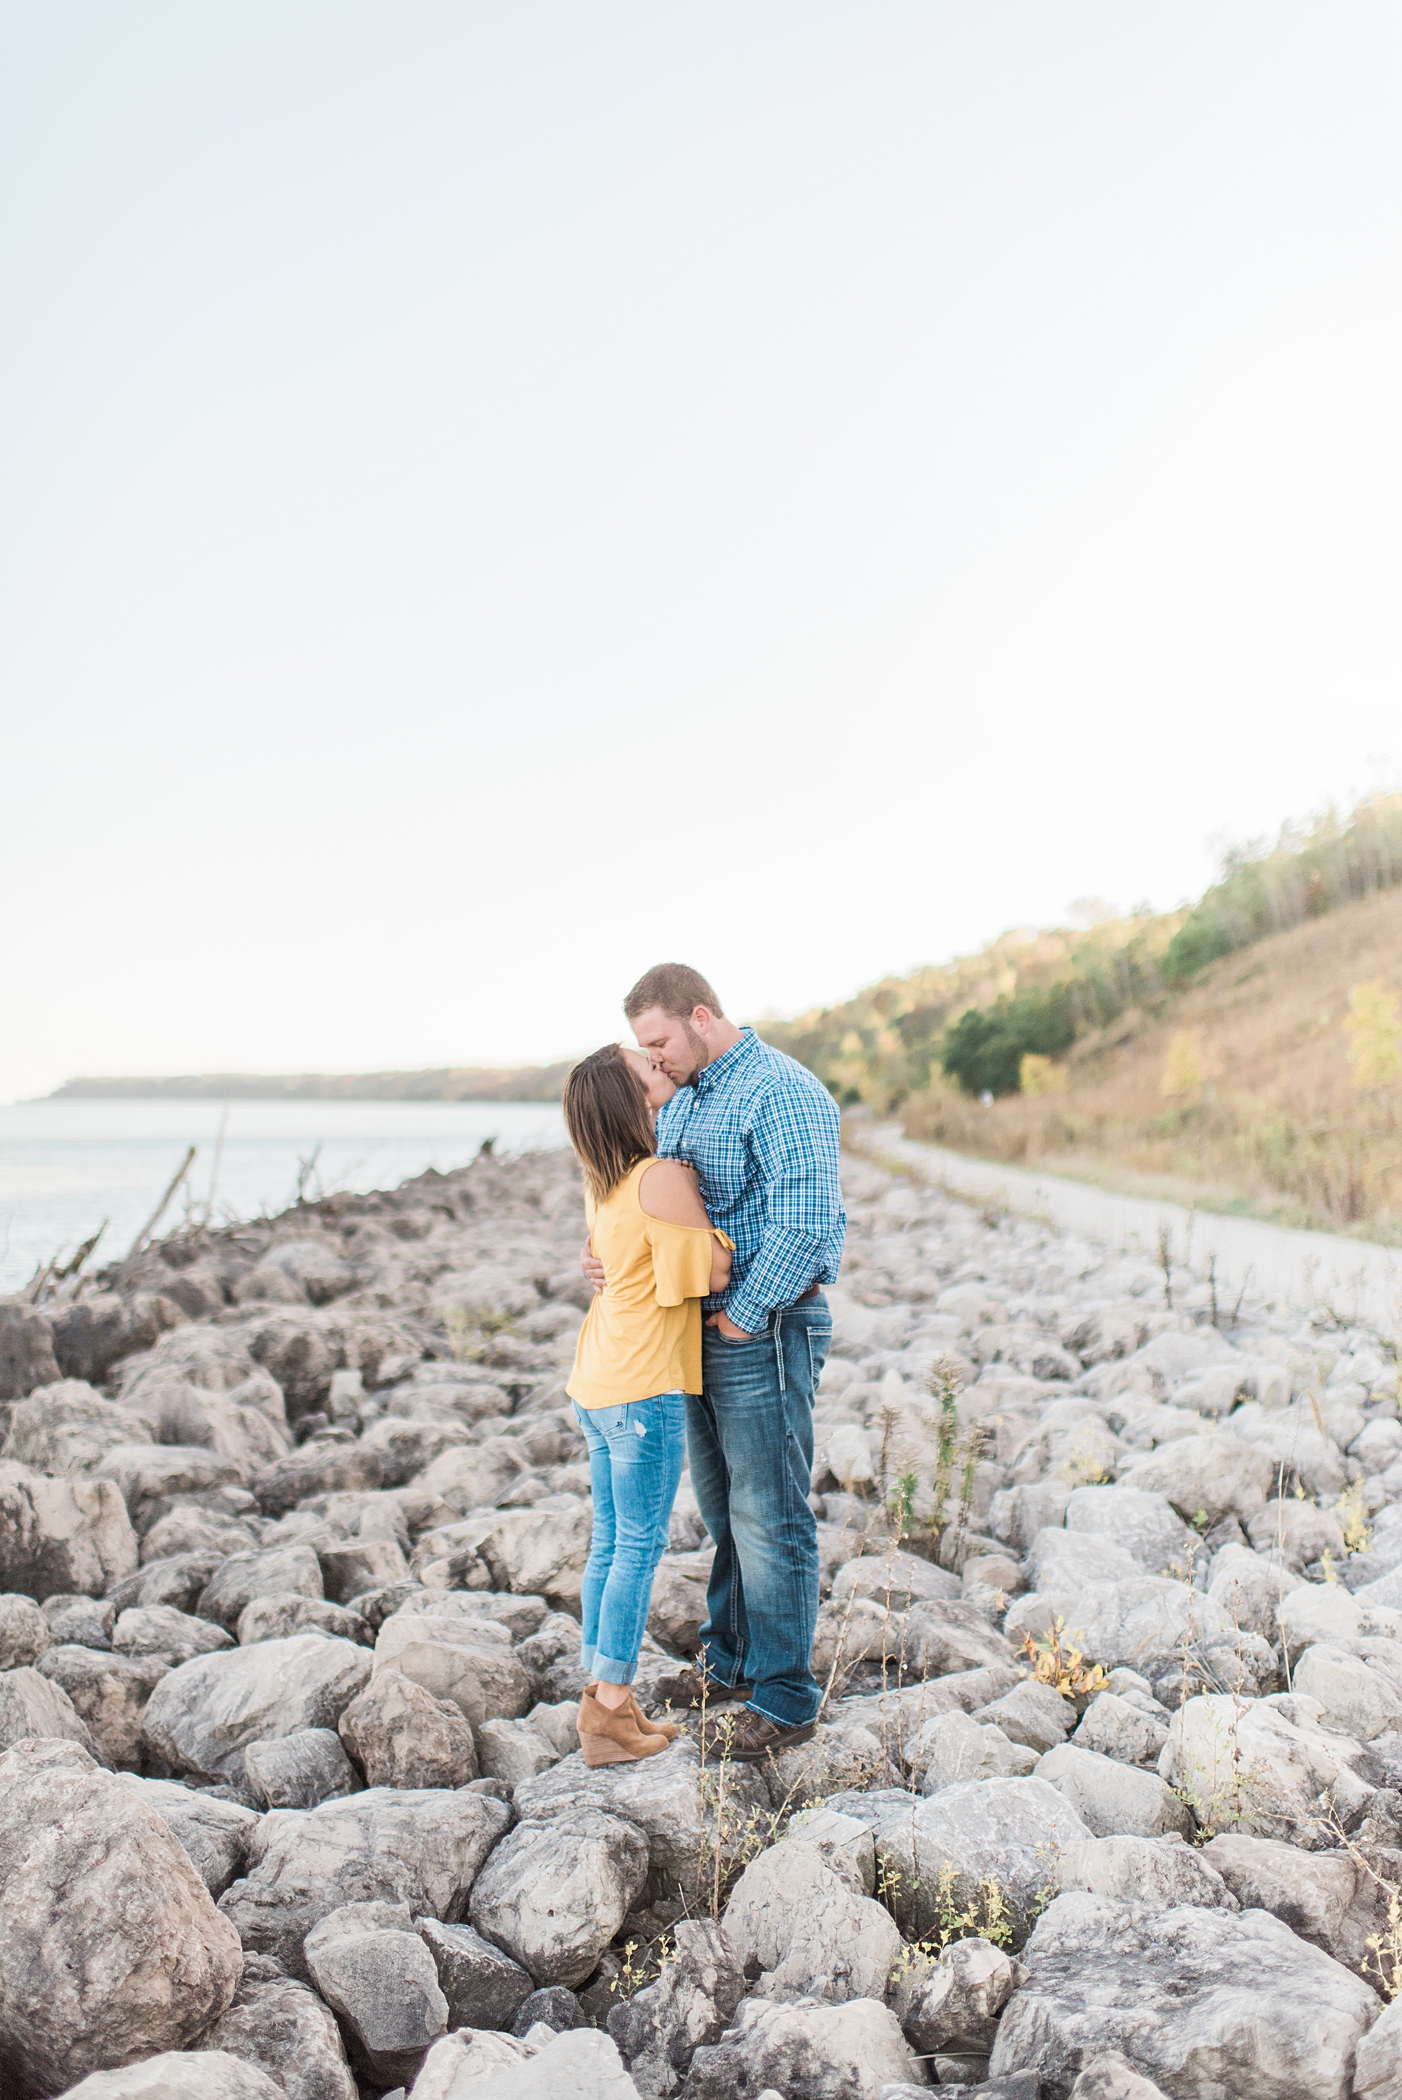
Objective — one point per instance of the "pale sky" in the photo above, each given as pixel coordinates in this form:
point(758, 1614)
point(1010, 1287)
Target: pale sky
point(497, 496)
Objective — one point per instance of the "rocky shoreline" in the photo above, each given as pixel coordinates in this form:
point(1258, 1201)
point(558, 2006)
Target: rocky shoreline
point(1105, 1801)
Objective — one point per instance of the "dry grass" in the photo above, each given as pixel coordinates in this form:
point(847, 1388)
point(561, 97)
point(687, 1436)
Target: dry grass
point(1240, 1092)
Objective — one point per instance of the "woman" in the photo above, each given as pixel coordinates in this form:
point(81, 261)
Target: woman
point(638, 1356)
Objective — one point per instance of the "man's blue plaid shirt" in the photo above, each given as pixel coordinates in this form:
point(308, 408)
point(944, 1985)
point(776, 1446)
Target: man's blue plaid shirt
point(764, 1136)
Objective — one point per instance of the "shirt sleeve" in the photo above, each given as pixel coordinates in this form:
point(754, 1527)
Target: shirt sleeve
point(681, 1260)
point(795, 1141)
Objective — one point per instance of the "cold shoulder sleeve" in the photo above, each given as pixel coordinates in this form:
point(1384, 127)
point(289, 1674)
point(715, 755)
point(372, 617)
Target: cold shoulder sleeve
point(681, 1259)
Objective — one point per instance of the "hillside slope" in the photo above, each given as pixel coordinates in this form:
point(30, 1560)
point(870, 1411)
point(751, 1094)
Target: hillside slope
point(1239, 1092)
point(1216, 1053)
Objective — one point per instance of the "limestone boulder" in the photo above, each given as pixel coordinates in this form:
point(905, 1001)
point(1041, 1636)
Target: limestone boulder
point(1217, 1475)
point(1195, 1999)
point(1160, 1873)
point(1358, 1684)
point(317, 1469)
point(31, 1706)
point(24, 1632)
point(370, 1965)
point(1264, 1766)
point(483, 1986)
point(1133, 1732)
point(110, 1948)
point(659, 2029)
point(1114, 1800)
point(68, 1428)
point(953, 2004)
point(1311, 1892)
point(280, 1571)
point(205, 2074)
point(554, 1894)
point(277, 1618)
point(214, 1833)
point(954, 1747)
point(202, 1717)
point(162, 1634)
point(457, 1659)
point(418, 1847)
point(27, 1355)
point(807, 2051)
point(63, 1537)
point(284, 2029)
point(807, 1931)
point(300, 1770)
point(401, 1736)
point(111, 1693)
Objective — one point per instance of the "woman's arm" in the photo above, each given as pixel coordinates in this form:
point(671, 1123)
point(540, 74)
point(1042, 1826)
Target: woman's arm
point(670, 1192)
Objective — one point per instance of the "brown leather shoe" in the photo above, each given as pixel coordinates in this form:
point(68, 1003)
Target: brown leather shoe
point(749, 1736)
point(613, 1736)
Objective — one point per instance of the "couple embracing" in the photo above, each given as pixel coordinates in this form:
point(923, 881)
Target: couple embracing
point(715, 1216)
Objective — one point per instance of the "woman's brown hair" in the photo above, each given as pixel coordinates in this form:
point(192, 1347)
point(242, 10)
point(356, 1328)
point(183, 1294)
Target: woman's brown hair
point(606, 1116)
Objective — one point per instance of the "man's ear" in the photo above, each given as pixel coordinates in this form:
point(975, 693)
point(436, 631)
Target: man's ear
point(701, 1018)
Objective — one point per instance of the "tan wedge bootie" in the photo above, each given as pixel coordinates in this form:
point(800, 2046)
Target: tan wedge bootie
point(613, 1738)
point(669, 1729)
point(647, 1724)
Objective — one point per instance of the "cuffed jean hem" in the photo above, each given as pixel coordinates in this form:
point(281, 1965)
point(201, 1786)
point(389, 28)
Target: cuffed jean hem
point(606, 1667)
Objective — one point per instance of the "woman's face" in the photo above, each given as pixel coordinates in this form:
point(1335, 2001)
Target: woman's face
point(657, 1085)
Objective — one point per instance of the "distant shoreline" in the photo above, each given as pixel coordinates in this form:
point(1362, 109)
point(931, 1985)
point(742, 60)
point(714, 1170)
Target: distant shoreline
point(445, 1083)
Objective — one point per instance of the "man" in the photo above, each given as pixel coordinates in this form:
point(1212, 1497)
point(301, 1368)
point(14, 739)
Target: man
point(763, 1135)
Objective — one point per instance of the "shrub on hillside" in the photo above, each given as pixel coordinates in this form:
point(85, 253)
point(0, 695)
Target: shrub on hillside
point(984, 1049)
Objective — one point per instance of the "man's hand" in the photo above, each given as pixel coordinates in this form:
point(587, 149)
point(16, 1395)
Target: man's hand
point(593, 1268)
point(728, 1328)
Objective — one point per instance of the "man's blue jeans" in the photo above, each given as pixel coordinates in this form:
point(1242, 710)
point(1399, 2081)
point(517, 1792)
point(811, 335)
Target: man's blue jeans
point(635, 1463)
point(750, 1437)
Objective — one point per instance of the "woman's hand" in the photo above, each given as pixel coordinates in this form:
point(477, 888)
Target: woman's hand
point(592, 1266)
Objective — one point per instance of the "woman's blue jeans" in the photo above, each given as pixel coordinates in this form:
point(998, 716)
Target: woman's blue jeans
point(636, 1454)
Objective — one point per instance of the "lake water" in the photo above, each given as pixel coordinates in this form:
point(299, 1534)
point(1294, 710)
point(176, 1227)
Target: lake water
point(67, 1165)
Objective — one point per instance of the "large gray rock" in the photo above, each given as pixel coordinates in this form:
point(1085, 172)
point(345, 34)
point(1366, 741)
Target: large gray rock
point(68, 1429)
point(27, 1355)
point(1108, 2076)
point(148, 1474)
point(62, 1536)
point(283, 2029)
point(317, 1469)
point(1358, 1686)
point(1249, 1587)
point(24, 1632)
point(940, 1638)
point(677, 1606)
point(109, 1691)
point(554, 1894)
point(1133, 1732)
point(281, 1571)
point(31, 1706)
point(895, 1581)
point(841, 1754)
point(401, 1736)
point(580, 2065)
point(807, 1930)
point(659, 2029)
point(93, 1333)
point(540, 1552)
point(483, 1986)
point(1113, 1799)
point(278, 1618)
point(953, 2004)
point(671, 1802)
point(206, 2074)
point(202, 1717)
point(1033, 1714)
point(359, 1565)
point(954, 1746)
point(167, 1636)
point(1124, 1621)
point(979, 1835)
point(512, 1751)
point(1144, 1525)
point(110, 1948)
point(1265, 1766)
point(1378, 2075)
point(1216, 1474)
point(417, 1847)
point(87, 1622)
point(806, 2052)
point(1161, 1873)
point(376, 1974)
point(1200, 2001)
point(453, 1659)
point(215, 1833)
point(299, 1770)
point(1311, 1892)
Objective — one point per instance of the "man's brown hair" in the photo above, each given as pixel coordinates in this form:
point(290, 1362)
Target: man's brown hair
point(673, 987)
point(606, 1116)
